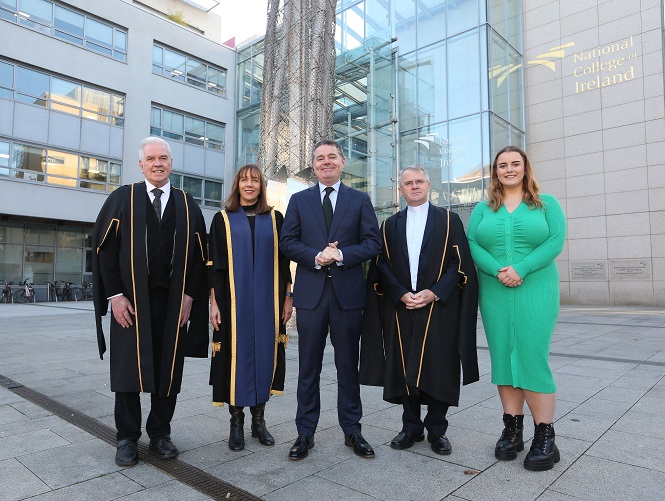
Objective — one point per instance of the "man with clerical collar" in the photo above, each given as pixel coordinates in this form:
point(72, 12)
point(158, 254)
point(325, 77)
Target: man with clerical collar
point(149, 264)
point(426, 324)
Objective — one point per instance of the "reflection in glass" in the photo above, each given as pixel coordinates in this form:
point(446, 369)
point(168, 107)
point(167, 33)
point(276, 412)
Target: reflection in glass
point(120, 41)
point(32, 82)
point(96, 100)
point(464, 81)
point(99, 33)
point(39, 11)
point(173, 123)
point(431, 21)
point(4, 159)
point(193, 186)
point(93, 169)
point(68, 21)
point(196, 73)
point(462, 15)
point(174, 65)
point(61, 164)
point(6, 75)
point(114, 174)
point(194, 131)
point(30, 161)
point(69, 238)
point(432, 84)
point(216, 80)
point(65, 91)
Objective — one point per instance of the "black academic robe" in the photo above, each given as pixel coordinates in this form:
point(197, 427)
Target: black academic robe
point(249, 276)
point(121, 231)
point(409, 352)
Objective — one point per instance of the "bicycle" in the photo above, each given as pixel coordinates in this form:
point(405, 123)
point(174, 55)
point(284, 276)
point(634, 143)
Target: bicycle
point(26, 293)
point(7, 296)
point(64, 292)
point(87, 290)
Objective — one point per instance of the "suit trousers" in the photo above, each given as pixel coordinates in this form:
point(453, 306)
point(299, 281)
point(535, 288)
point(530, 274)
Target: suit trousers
point(435, 420)
point(128, 404)
point(345, 327)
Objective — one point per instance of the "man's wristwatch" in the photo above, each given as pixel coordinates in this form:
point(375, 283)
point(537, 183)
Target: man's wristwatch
point(289, 294)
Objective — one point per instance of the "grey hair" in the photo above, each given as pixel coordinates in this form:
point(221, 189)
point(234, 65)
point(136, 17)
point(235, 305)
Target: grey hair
point(416, 168)
point(328, 142)
point(153, 140)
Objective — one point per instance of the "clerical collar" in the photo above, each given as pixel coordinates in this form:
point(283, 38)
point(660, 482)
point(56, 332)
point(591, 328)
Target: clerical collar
point(419, 208)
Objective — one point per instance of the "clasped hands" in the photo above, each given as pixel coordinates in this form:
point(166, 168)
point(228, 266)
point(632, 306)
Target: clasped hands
point(509, 277)
point(416, 300)
point(123, 311)
point(329, 255)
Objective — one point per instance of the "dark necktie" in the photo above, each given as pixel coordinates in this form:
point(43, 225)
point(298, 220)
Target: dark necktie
point(327, 208)
point(157, 203)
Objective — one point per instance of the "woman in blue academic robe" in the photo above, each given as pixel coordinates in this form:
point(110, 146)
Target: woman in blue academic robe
point(250, 303)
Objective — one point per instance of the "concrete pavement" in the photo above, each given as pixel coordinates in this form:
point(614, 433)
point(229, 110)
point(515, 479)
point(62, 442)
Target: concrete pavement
point(609, 366)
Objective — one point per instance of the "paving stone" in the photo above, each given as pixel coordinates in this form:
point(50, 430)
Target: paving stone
point(383, 476)
point(607, 480)
point(170, 491)
point(10, 415)
point(321, 489)
point(31, 410)
point(18, 482)
point(583, 427)
point(636, 450)
point(146, 475)
point(72, 464)
point(641, 424)
point(8, 397)
point(27, 443)
point(106, 487)
point(269, 470)
point(508, 480)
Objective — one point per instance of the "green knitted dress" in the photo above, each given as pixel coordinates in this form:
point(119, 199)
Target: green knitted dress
point(519, 321)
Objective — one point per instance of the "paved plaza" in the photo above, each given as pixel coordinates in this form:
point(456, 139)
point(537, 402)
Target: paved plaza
point(609, 365)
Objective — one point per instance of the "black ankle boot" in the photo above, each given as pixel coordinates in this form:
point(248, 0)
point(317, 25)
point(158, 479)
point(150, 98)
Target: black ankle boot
point(511, 441)
point(544, 452)
point(259, 425)
point(236, 433)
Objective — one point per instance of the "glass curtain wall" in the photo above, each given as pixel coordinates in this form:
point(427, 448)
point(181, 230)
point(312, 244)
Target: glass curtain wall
point(437, 83)
point(44, 253)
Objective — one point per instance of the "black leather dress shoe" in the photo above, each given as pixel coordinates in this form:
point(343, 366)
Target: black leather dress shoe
point(127, 453)
point(405, 440)
point(301, 447)
point(440, 444)
point(163, 447)
point(360, 446)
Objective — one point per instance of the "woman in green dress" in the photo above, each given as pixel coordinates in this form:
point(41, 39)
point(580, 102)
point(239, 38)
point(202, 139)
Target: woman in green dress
point(515, 237)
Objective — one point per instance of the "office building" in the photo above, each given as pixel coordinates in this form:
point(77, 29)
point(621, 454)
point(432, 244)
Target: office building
point(81, 83)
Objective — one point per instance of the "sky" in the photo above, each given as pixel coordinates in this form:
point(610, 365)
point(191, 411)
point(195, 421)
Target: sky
point(242, 18)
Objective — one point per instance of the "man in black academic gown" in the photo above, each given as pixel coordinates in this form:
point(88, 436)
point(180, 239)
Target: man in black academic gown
point(428, 314)
point(149, 264)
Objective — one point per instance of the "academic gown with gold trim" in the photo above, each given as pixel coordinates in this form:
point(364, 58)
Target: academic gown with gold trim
point(121, 227)
point(423, 348)
point(248, 363)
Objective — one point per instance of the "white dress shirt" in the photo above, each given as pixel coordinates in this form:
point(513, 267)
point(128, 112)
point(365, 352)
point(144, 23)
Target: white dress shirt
point(166, 193)
point(416, 219)
point(333, 202)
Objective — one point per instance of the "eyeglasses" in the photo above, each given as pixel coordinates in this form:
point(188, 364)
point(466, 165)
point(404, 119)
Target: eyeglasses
point(417, 182)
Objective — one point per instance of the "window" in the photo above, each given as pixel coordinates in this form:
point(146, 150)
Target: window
point(66, 24)
point(206, 192)
point(33, 163)
point(181, 127)
point(185, 69)
point(59, 94)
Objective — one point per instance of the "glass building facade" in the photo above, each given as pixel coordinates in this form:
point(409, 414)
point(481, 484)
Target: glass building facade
point(429, 82)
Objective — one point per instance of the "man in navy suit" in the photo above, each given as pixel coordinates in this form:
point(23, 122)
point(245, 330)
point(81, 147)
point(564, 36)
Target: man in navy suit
point(329, 231)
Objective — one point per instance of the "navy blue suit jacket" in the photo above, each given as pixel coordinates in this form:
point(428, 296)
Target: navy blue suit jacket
point(354, 227)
